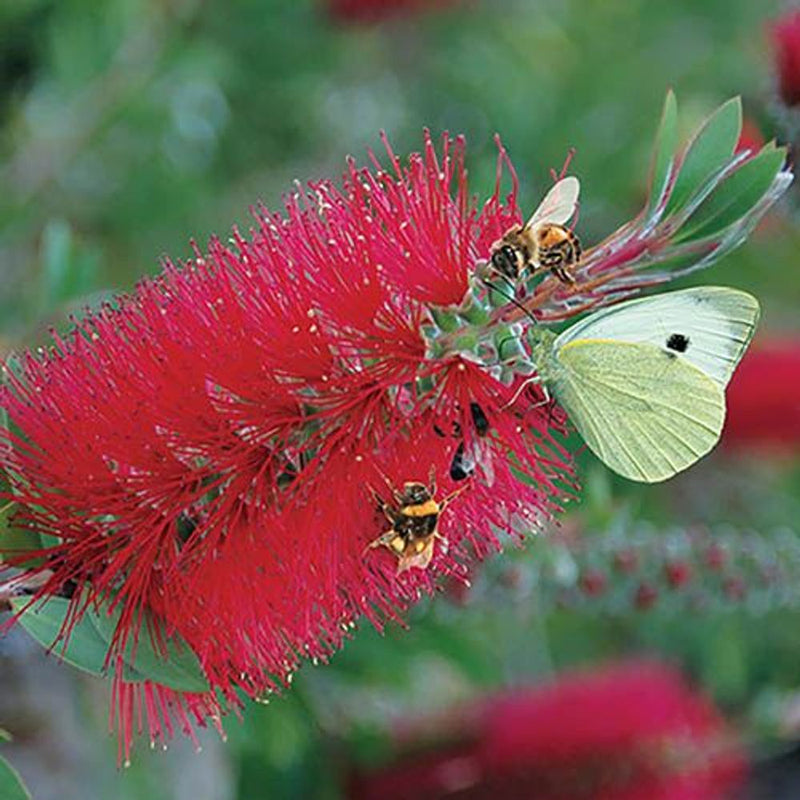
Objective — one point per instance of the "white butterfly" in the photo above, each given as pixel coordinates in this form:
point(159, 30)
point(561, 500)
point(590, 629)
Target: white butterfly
point(644, 382)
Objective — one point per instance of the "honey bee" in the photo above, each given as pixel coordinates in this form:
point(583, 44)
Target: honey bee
point(544, 242)
point(414, 517)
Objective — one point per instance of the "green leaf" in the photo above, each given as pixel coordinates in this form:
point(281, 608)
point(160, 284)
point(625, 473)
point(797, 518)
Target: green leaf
point(90, 638)
point(84, 649)
point(445, 320)
point(708, 152)
point(736, 196)
point(170, 662)
point(14, 540)
point(664, 152)
point(11, 785)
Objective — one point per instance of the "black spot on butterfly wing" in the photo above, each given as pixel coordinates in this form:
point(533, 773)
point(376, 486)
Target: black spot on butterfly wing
point(678, 343)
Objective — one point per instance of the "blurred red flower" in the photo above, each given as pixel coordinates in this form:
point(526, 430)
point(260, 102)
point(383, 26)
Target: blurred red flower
point(785, 39)
point(628, 732)
point(751, 138)
point(209, 449)
point(376, 10)
point(764, 397)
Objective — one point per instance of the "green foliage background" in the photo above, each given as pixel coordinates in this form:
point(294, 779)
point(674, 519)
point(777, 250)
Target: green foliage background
point(129, 127)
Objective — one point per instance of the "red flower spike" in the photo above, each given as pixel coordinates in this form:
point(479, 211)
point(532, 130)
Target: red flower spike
point(593, 582)
point(370, 11)
point(751, 139)
point(763, 405)
point(209, 449)
point(677, 573)
point(645, 597)
point(633, 731)
point(785, 39)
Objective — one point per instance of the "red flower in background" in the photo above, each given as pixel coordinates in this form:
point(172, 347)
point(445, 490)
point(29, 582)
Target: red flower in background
point(751, 138)
point(629, 732)
point(209, 449)
point(376, 10)
point(764, 397)
point(785, 38)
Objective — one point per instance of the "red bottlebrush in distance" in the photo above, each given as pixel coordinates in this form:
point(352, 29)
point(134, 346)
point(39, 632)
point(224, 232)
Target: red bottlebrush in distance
point(751, 139)
point(763, 404)
point(628, 732)
point(785, 39)
point(368, 11)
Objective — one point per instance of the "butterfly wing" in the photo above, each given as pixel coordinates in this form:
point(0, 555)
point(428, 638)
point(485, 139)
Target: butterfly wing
point(709, 326)
point(559, 203)
point(644, 412)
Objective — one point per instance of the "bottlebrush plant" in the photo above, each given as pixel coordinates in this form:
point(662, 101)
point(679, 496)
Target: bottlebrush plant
point(214, 478)
point(628, 731)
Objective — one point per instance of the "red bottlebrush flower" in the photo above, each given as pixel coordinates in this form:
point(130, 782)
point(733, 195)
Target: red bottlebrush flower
point(715, 557)
point(626, 561)
point(677, 573)
point(377, 10)
point(645, 597)
point(215, 448)
point(763, 404)
point(734, 587)
point(629, 732)
point(593, 582)
point(308, 424)
point(785, 39)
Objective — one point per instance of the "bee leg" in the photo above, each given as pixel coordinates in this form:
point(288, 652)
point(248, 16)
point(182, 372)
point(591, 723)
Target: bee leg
point(383, 506)
point(524, 385)
point(432, 480)
point(448, 499)
point(564, 275)
point(383, 539)
point(547, 399)
point(390, 539)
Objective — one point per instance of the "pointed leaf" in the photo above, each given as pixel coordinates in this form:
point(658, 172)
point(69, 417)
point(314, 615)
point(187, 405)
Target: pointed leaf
point(736, 196)
point(168, 660)
point(711, 148)
point(84, 649)
point(13, 539)
point(664, 152)
point(11, 785)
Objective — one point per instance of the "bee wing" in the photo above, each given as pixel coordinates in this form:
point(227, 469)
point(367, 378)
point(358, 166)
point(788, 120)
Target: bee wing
point(485, 463)
point(558, 204)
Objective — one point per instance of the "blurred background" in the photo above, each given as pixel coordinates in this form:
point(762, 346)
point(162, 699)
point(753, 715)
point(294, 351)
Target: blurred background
point(130, 127)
